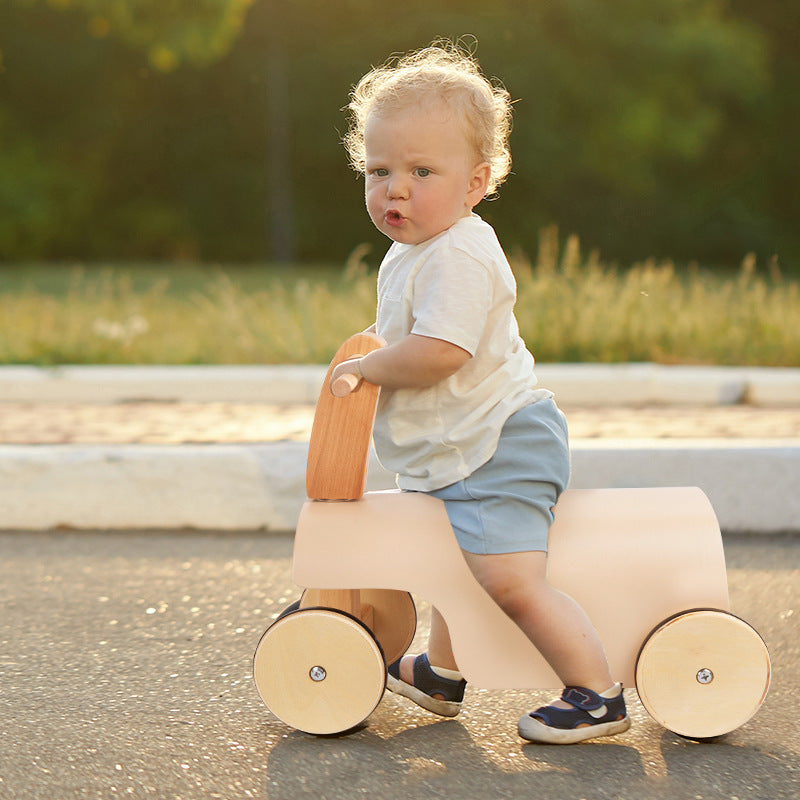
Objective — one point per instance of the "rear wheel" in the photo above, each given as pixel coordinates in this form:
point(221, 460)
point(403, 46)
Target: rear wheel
point(392, 620)
point(703, 673)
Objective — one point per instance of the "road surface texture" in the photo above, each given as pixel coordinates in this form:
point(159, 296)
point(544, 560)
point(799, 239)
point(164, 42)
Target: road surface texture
point(125, 671)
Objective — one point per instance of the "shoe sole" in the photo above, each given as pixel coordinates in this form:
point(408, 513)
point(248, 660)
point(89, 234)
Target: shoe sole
point(534, 730)
point(444, 708)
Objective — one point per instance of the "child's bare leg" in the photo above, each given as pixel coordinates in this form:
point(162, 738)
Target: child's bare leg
point(561, 631)
point(440, 651)
point(564, 635)
point(553, 621)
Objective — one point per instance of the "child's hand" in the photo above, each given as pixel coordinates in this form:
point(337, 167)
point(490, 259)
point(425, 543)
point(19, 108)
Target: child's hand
point(415, 362)
point(346, 377)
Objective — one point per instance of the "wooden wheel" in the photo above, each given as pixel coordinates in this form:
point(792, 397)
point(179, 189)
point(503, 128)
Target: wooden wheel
point(703, 673)
point(392, 617)
point(320, 671)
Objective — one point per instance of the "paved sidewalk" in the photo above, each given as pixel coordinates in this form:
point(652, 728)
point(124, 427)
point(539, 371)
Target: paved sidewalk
point(235, 423)
point(241, 466)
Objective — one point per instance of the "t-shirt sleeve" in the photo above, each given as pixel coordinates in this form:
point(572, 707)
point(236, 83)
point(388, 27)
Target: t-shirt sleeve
point(452, 295)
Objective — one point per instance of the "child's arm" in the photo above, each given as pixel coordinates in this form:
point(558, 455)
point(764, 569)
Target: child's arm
point(415, 362)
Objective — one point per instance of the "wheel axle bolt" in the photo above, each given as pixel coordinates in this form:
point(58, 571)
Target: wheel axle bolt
point(317, 673)
point(705, 675)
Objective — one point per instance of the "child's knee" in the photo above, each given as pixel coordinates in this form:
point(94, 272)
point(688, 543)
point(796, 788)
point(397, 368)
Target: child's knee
point(518, 597)
point(517, 582)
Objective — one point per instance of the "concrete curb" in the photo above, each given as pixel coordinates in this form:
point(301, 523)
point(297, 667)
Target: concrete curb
point(754, 485)
point(617, 384)
point(289, 385)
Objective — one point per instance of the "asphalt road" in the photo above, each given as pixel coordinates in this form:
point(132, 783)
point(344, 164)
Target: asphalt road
point(125, 671)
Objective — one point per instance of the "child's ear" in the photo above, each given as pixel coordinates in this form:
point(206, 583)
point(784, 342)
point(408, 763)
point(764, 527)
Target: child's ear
point(479, 183)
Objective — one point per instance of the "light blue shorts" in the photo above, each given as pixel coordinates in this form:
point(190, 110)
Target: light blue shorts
point(506, 505)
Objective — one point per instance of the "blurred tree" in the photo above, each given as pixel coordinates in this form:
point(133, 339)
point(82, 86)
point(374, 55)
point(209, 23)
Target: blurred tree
point(164, 129)
point(775, 128)
point(624, 108)
point(197, 31)
point(628, 122)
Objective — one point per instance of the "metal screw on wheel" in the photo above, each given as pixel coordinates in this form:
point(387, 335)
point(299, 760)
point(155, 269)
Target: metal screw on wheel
point(703, 673)
point(320, 671)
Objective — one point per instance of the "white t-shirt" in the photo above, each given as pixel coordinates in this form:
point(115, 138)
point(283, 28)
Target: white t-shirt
point(457, 286)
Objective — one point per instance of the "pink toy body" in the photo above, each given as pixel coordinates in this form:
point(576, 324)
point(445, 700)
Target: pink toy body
point(665, 545)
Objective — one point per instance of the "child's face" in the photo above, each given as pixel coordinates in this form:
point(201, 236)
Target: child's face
point(422, 174)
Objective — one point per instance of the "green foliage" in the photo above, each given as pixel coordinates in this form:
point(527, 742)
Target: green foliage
point(197, 31)
point(145, 129)
point(107, 316)
point(620, 126)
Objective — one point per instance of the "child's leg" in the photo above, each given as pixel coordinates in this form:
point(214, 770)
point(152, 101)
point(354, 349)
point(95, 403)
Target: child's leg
point(558, 628)
point(440, 651)
point(553, 621)
point(431, 680)
point(592, 704)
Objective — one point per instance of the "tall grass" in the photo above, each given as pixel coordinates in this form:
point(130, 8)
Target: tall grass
point(102, 319)
point(569, 308)
point(574, 309)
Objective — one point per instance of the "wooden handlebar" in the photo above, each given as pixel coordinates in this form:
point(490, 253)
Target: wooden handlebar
point(338, 450)
point(345, 384)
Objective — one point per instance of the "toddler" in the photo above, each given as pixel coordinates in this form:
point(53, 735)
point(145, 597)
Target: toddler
point(460, 416)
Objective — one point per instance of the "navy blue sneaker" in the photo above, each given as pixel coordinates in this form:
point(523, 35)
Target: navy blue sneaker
point(432, 692)
point(590, 716)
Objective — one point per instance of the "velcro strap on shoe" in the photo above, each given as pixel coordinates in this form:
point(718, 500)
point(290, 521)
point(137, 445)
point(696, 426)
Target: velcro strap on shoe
point(585, 699)
point(429, 682)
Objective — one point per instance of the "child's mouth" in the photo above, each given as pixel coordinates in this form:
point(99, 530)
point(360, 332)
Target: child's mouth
point(394, 218)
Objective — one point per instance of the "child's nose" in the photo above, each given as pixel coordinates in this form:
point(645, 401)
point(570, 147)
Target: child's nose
point(397, 188)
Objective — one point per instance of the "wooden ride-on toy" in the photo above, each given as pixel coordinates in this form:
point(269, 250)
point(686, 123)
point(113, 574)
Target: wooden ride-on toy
point(664, 619)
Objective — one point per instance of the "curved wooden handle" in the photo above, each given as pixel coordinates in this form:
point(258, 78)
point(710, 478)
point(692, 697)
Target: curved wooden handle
point(345, 384)
point(341, 434)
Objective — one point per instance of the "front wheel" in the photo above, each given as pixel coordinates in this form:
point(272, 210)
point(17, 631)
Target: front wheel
point(703, 673)
point(319, 670)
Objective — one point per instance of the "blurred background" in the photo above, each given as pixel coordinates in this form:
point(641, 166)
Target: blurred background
point(210, 130)
point(173, 188)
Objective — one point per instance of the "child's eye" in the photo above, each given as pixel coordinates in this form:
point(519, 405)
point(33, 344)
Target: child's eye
point(379, 172)
point(422, 172)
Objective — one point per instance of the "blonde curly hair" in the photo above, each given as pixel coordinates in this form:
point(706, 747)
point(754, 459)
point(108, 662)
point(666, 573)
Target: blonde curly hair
point(449, 73)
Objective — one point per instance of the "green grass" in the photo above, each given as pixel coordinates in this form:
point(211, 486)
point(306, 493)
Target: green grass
point(569, 308)
point(146, 314)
